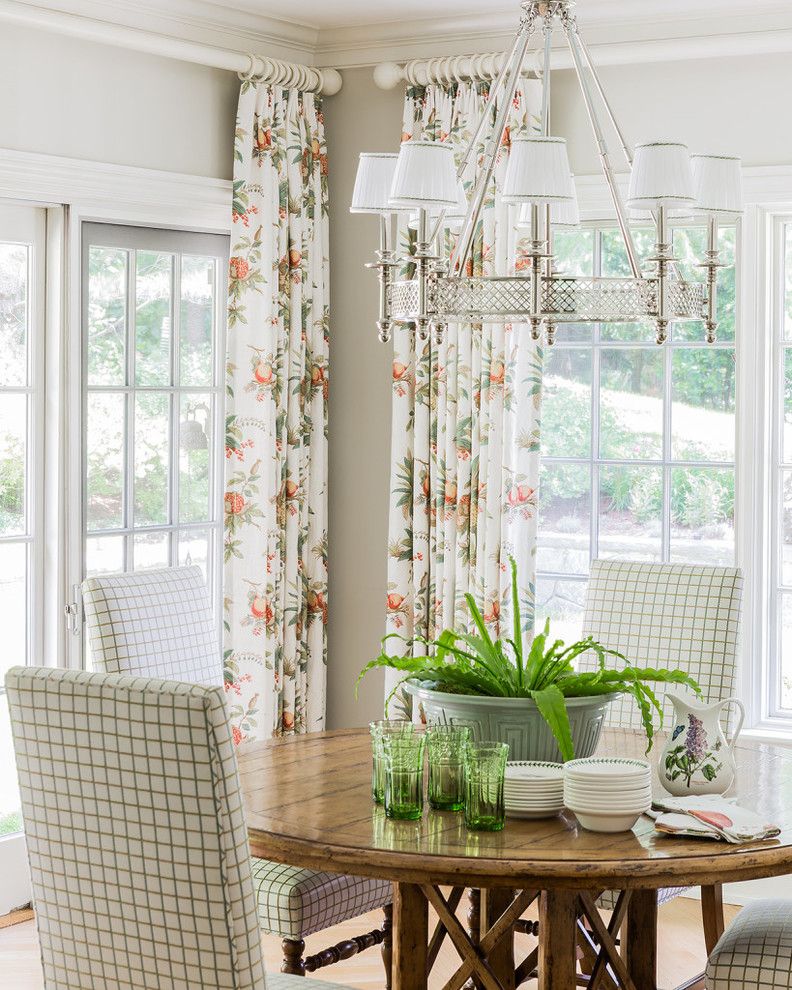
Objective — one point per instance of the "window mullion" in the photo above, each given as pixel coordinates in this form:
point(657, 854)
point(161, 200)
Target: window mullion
point(175, 408)
point(127, 513)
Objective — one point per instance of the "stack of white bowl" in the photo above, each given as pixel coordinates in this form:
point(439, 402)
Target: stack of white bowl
point(533, 790)
point(608, 794)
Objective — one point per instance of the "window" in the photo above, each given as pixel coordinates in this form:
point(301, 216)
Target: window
point(778, 696)
point(153, 316)
point(22, 259)
point(638, 441)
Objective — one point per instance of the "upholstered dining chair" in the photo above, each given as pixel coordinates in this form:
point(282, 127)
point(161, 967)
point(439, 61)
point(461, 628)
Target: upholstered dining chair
point(136, 834)
point(755, 951)
point(159, 623)
point(666, 615)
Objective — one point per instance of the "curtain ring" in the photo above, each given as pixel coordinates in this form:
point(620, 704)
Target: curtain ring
point(456, 70)
point(249, 73)
point(445, 69)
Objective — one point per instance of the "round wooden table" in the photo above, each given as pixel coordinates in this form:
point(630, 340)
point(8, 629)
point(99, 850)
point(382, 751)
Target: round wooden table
point(308, 804)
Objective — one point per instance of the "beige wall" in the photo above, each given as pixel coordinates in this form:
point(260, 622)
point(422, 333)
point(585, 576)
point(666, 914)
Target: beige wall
point(78, 99)
point(720, 105)
point(360, 118)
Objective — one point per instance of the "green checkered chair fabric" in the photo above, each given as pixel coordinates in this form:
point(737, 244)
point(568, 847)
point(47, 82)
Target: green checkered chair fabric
point(665, 615)
point(135, 832)
point(159, 623)
point(155, 623)
point(755, 951)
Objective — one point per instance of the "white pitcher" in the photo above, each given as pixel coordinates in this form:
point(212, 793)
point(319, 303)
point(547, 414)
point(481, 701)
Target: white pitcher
point(697, 758)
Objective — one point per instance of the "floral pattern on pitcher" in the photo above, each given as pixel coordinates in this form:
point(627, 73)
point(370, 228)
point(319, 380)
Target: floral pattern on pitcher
point(277, 378)
point(693, 755)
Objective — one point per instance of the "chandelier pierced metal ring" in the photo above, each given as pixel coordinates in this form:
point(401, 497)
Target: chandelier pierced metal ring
point(424, 177)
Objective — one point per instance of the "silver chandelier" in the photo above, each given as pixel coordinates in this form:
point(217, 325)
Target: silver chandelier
point(423, 177)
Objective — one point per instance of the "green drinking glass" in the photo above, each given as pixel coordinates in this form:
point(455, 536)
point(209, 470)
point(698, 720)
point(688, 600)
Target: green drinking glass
point(485, 768)
point(379, 730)
point(446, 746)
point(403, 756)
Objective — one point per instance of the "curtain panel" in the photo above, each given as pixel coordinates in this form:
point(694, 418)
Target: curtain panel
point(275, 539)
point(465, 426)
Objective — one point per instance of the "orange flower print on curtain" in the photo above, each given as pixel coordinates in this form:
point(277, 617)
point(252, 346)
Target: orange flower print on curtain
point(465, 427)
point(275, 579)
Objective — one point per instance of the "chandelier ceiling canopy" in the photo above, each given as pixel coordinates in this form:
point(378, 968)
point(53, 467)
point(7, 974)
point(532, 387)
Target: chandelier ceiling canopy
point(424, 180)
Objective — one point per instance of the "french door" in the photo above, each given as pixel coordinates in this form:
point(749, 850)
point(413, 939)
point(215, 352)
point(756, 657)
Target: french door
point(22, 441)
point(152, 439)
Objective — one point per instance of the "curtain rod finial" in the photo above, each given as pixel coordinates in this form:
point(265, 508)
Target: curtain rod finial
point(331, 82)
point(388, 75)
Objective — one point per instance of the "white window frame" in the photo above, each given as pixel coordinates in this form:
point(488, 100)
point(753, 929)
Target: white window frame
point(762, 428)
point(29, 225)
point(180, 243)
point(665, 463)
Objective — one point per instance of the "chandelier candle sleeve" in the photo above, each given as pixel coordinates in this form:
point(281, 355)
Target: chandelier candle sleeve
point(663, 181)
point(717, 186)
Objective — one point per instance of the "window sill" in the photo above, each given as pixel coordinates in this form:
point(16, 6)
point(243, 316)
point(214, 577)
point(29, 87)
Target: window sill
point(777, 736)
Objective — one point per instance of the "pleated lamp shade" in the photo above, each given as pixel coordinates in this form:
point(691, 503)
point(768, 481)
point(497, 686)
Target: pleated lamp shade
point(425, 176)
point(538, 171)
point(373, 183)
point(661, 176)
point(563, 214)
point(717, 184)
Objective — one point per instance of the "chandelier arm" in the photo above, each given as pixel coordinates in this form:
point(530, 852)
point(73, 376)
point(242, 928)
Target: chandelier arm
point(494, 92)
point(602, 147)
point(465, 241)
point(548, 37)
point(625, 147)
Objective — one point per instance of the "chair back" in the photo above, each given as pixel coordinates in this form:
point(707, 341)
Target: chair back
point(156, 623)
point(135, 831)
point(683, 616)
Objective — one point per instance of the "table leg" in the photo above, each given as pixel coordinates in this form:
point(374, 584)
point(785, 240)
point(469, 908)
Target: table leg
point(712, 914)
point(641, 939)
point(494, 901)
point(410, 937)
point(557, 931)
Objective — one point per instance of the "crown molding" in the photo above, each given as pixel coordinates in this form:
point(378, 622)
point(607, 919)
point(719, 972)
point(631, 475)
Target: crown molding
point(663, 32)
point(618, 31)
point(189, 20)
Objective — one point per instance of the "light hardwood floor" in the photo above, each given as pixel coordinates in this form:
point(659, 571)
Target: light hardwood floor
point(681, 952)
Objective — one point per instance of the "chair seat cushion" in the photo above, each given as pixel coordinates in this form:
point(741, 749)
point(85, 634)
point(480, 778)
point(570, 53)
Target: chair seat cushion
point(755, 951)
point(294, 902)
point(607, 900)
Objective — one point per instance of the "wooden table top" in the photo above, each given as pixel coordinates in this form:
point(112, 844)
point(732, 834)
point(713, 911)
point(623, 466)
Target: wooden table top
point(308, 803)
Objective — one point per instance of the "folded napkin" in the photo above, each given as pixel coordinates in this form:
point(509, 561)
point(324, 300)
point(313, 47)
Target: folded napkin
point(712, 817)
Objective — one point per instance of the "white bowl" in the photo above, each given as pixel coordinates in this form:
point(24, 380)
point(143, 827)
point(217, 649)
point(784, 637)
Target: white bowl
point(607, 766)
point(614, 822)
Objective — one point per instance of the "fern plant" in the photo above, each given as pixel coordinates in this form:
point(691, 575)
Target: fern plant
point(541, 669)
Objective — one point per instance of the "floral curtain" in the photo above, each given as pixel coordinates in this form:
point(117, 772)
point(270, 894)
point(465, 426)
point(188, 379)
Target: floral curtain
point(465, 427)
point(275, 580)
